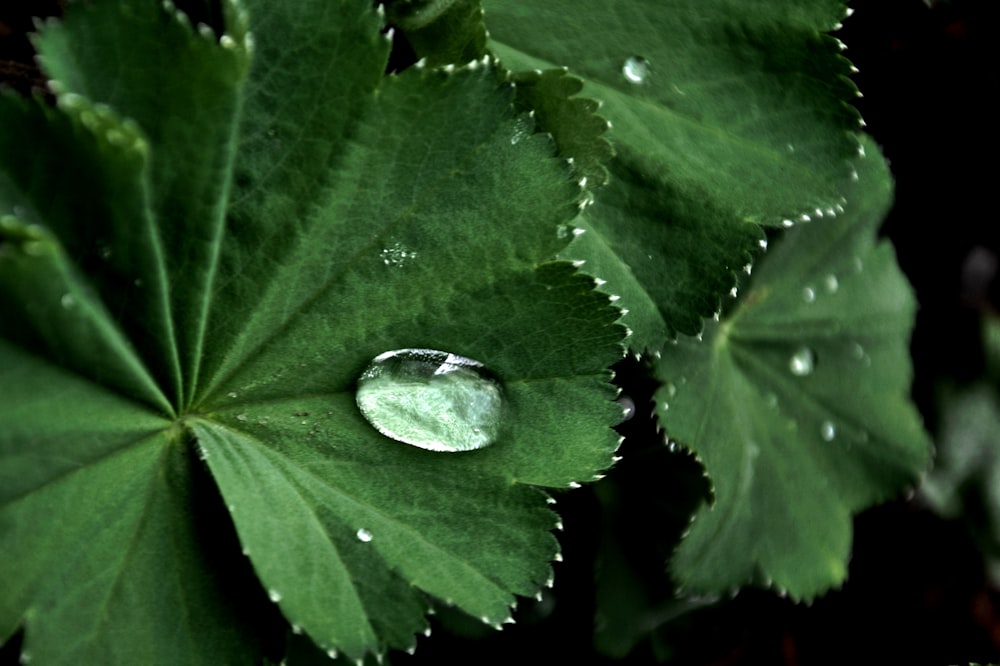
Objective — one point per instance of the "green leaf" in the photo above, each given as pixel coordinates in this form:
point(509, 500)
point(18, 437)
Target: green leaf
point(112, 553)
point(965, 481)
point(204, 254)
point(797, 404)
point(441, 32)
point(740, 119)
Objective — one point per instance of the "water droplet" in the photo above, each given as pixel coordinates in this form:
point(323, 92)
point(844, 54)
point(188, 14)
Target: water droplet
point(274, 595)
point(808, 294)
point(628, 407)
point(396, 255)
point(671, 389)
point(68, 301)
point(858, 352)
point(827, 431)
point(364, 535)
point(233, 394)
point(636, 69)
point(431, 399)
point(242, 418)
point(104, 251)
point(523, 128)
point(802, 362)
point(332, 653)
point(831, 283)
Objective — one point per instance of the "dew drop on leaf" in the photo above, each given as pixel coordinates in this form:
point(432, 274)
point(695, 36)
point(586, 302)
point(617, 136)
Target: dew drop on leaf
point(67, 301)
point(831, 283)
point(808, 294)
point(802, 362)
point(827, 431)
point(431, 399)
point(274, 595)
point(636, 69)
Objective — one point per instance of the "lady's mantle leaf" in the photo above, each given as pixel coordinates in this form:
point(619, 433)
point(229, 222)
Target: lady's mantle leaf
point(726, 115)
point(243, 239)
point(797, 404)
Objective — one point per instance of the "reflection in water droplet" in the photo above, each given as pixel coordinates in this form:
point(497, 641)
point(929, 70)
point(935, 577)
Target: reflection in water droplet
point(802, 362)
point(67, 301)
point(808, 294)
point(431, 399)
point(274, 595)
point(364, 535)
point(827, 431)
point(636, 69)
point(831, 283)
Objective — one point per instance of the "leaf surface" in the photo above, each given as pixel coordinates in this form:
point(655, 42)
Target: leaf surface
point(725, 117)
point(246, 235)
point(797, 404)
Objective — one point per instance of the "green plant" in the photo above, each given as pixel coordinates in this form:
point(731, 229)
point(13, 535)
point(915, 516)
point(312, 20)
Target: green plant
point(208, 239)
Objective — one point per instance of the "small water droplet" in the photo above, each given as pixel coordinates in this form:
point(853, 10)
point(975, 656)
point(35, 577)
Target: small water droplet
point(858, 352)
point(233, 394)
point(808, 294)
point(242, 418)
point(364, 535)
point(790, 147)
point(431, 399)
point(636, 69)
point(274, 595)
point(828, 431)
point(332, 653)
point(831, 283)
point(802, 362)
point(68, 301)
point(523, 127)
point(671, 389)
point(628, 407)
point(397, 255)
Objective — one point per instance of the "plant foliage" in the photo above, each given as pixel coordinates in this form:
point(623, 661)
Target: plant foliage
point(211, 233)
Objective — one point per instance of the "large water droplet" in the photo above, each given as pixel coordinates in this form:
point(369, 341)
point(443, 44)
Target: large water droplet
point(802, 362)
point(808, 294)
point(364, 535)
point(636, 69)
point(431, 399)
point(828, 431)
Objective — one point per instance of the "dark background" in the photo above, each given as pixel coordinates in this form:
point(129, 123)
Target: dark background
point(917, 591)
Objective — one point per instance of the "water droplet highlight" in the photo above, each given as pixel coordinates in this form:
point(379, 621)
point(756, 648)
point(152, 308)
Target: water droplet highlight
point(274, 596)
point(636, 69)
point(808, 294)
point(364, 535)
point(802, 362)
point(828, 431)
point(431, 399)
point(68, 301)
